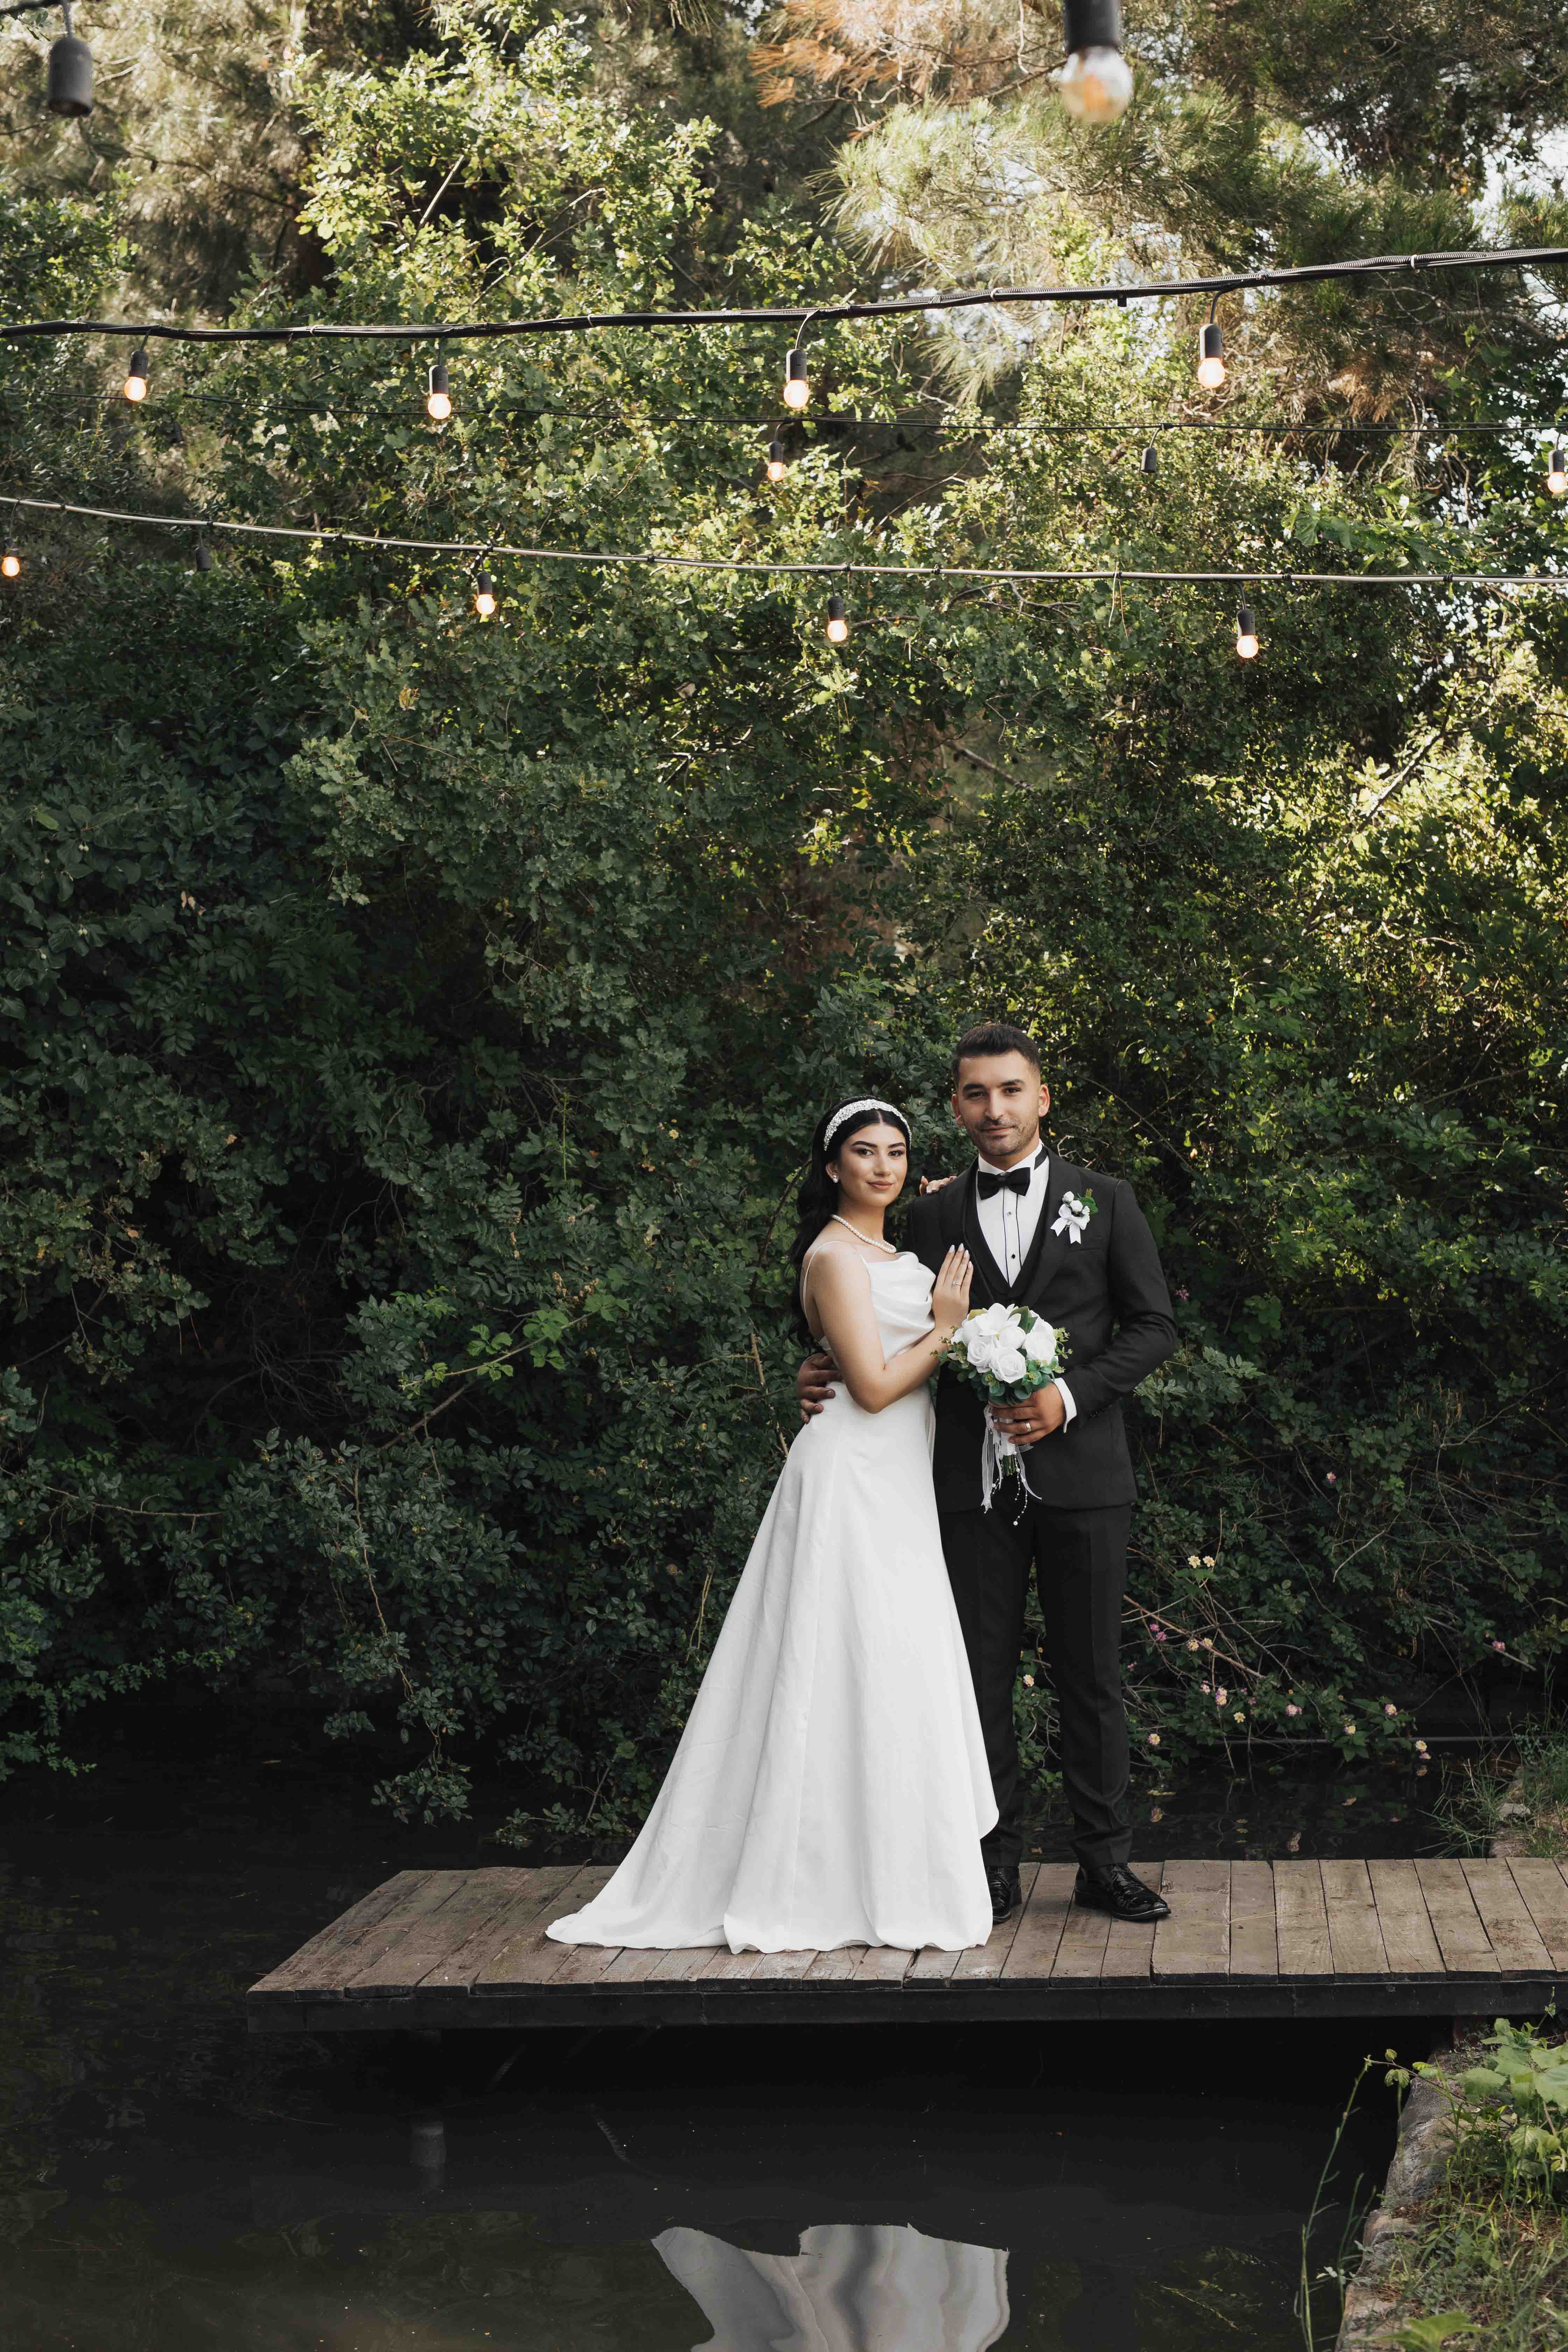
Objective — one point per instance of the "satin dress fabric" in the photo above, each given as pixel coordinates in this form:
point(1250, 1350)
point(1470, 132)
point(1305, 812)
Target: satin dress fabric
point(830, 1786)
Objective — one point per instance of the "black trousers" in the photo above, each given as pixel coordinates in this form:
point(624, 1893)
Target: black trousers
point(1079, 1563)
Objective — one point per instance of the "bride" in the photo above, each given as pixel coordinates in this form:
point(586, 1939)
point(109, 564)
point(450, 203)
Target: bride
point(830, 1786)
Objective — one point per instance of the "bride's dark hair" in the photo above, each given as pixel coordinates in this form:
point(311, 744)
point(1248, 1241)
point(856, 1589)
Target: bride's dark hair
point(817, 1198)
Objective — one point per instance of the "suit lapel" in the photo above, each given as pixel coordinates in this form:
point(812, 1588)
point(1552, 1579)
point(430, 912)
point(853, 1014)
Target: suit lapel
point(1046, 1251)
point(988, 1274)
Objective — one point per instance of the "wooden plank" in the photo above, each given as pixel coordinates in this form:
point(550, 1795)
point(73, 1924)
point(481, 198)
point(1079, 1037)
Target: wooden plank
point(1457, 1924)
point(1355, 1939)
point(932, 1967)
point(317, 1966)
point(1045, 1916)
point(1081, 1951)
point(531, 1957)
point(537, 1903)
point(1301, 1920)
point(1544, 1886)
point(884, 1964)
point(680, 1966)
point(1129, 1950)
point(1254, 1931)
point(1505, 1916)
point(1195, 1941)
point(473, 1901)
point(1406, 1930)
point(836, 1967)
point(780, 1966)
point(587, 1964)
point(989, 1960)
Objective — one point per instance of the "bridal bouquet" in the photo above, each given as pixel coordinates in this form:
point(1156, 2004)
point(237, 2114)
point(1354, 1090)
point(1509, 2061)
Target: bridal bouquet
point(1006, 1352)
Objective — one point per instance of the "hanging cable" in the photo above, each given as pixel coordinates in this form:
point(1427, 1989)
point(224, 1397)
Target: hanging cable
point(829, 567)
point(578, 322)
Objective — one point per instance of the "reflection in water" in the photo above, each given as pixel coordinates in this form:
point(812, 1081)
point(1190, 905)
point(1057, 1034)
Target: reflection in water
point(169, 2185)
point(855, 2286)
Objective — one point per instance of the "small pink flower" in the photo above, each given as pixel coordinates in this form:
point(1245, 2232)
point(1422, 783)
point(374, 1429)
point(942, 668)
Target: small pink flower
point(1159, 1633)
point(1292, 1709)
point(1028, 1682)
point(1333, 1479)
point(1183, 1295)
point(1389, 1707)
point(1498, 1645)
point(1153, 1739)
point(1421, 1748)
point(1221, 1695)
point(1205, 1688)
point(1350, 1729)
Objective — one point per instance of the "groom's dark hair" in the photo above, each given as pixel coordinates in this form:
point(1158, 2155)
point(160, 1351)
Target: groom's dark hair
point(992, 1037)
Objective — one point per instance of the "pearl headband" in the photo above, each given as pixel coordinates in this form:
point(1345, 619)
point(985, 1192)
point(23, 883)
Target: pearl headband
point(867, 1102)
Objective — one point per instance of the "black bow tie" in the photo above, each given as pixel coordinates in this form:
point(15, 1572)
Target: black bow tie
point(1017, 1179)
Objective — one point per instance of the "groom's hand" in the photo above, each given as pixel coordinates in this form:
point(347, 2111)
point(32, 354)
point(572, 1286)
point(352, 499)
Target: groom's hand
point(933, 1183)
point(1039, 1416)
point(814, 1382)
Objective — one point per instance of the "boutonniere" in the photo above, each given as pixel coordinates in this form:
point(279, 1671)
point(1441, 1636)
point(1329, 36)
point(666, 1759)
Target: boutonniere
point(1074, 1214)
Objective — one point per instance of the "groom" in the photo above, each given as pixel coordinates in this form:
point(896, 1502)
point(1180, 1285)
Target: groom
point(1020, 1213)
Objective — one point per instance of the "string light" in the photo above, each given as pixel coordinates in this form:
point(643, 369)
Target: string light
point(136, 384)
point(1096, 83)
point(1557, 470)
point(70, 88)
point(1150, 461)
point(11, 562)
point(1246, 632)
point(1211, 352)
point(438, 399)
point(837, 626)
point(484, 596)
point(203, 555)
point(777, 467)
point(797, 387)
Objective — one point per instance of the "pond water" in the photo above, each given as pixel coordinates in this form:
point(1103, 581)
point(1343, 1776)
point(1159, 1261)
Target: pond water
point(167, 2182)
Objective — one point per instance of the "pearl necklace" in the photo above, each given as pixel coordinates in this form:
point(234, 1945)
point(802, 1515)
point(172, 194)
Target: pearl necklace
point(836, 1220)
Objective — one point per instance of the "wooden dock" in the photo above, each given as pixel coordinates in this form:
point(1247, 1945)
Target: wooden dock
point(466, 1947)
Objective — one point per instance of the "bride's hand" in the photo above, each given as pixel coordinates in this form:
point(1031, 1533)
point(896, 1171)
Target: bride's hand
point(949, 1292)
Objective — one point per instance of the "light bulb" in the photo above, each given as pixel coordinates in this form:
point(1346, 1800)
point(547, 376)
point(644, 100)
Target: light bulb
point(1095, 85)
point(837, 626)
point(1150, 461)
point(777, 467)
point(438, 399)
point(10, 564)
point(136, 384)
point(1557, 471)
point(484, 596)
point(1211, 355)
point(797, 390)
point(204, 556)
point(1246, 632)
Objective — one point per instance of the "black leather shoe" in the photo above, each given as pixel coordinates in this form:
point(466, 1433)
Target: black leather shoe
point(1005, 1895)
point(1117, 1891)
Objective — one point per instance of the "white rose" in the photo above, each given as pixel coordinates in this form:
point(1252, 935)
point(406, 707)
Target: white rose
point(979, 1347)
point(1008, 1364)
point(1040, 1343)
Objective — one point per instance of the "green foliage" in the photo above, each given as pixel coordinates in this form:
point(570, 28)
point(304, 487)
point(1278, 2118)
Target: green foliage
point(412, 1028)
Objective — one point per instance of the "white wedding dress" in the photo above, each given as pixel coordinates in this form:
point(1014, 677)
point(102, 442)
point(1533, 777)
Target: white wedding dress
point(830, 1786)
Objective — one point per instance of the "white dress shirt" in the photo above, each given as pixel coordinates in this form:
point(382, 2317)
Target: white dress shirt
point(1008, 1220)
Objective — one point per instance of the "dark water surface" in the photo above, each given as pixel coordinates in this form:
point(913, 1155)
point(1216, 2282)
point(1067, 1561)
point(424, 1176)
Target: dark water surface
point(169, 2185)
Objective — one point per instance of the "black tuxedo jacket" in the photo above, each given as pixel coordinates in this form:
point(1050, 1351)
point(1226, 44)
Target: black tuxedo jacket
point(1108, 1291)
